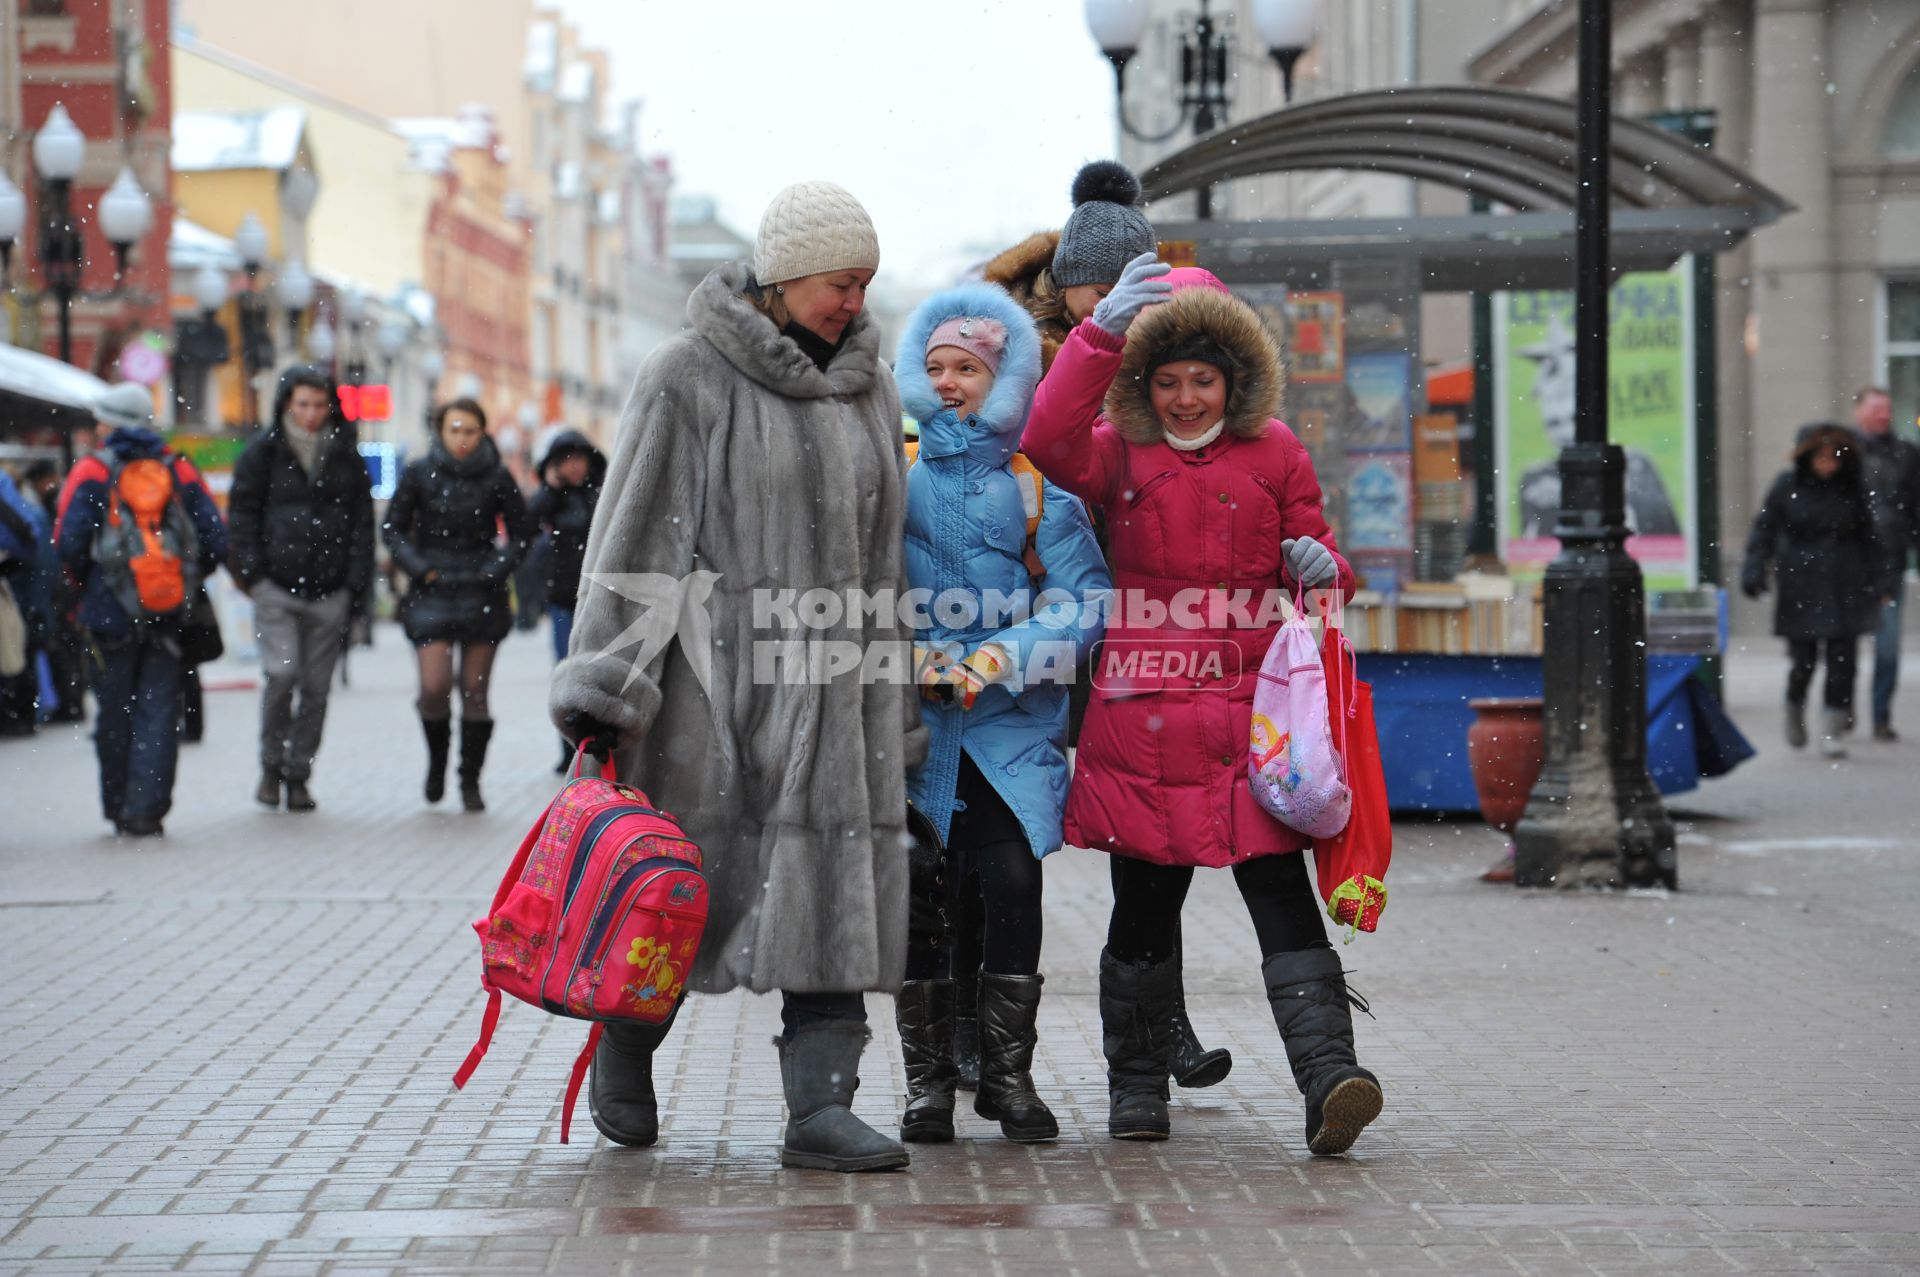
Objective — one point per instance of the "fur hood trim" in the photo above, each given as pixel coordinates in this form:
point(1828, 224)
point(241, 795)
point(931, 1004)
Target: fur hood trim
point(1199, 312)
point(720, 312)
point(1005, 409)
point(1014, 269)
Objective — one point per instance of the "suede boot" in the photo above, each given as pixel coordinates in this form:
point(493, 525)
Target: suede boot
point(439, 743)
point(820, 1069)
point(620, 1084)
point(1136, 1008)
point(924, 1014)
point(966, 1029)
point(1009, 1009)
point(474, 735)
point(1797, 724)
point(1312, 1008)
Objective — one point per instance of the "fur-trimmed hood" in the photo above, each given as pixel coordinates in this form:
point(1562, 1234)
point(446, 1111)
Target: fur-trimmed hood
point(1015, 270)
point(1197, 311)
point(1005, 409)
point(720, 312)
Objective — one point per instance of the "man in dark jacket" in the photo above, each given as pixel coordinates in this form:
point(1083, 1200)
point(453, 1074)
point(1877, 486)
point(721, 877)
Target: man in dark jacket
point(302, 512)
point(140, 674)
point(1891, 468)
point(571, 472)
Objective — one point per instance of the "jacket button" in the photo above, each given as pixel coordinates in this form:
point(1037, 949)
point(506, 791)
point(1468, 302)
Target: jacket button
point(1223, 498)
point(1226, 760)
point(976, 486)
point(1013, 769)
point(1220, 586)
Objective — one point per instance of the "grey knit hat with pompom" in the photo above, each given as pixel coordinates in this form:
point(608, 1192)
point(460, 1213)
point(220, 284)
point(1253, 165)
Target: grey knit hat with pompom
point(1107, 229)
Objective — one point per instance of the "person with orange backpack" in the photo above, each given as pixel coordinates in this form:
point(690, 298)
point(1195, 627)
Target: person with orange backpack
point(139, 531)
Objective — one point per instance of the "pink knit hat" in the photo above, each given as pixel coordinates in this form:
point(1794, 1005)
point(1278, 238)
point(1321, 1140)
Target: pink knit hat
point(984, 339)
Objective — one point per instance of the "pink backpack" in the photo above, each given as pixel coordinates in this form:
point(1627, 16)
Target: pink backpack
point(1292, 766)
point(599, 918)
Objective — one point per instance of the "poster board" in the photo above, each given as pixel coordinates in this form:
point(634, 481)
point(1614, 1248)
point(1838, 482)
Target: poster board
point(1652, 415)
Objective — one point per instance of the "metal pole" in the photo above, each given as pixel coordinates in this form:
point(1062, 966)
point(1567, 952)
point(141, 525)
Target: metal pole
point(1594, 818)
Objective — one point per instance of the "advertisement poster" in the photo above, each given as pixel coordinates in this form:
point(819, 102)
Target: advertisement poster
point(1382, 390)
point(1651, 417)
point(1379, 501)
point(1316, 350)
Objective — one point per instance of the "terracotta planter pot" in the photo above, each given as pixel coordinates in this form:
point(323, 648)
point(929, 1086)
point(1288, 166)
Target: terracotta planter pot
point(1506, 747)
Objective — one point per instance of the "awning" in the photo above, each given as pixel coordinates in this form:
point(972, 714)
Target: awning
point(36, 391)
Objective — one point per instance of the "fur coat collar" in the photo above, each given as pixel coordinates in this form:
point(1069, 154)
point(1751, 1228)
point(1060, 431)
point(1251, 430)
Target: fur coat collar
point(720, 311)
point(1258, 378)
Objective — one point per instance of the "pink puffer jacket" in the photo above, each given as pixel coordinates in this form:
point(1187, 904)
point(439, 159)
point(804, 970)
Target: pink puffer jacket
point(1161, 773)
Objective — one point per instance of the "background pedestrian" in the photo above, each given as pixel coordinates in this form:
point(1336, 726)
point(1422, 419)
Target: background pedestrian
point(1817, 534)
point(457, 526)
point(571, 472)
point(1890, 469)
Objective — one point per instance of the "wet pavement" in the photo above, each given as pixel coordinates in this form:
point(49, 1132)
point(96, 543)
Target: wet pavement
point(230, 1050)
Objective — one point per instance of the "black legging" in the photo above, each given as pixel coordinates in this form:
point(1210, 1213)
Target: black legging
point(996, 883)
point(1841, 655)
point(1147, 899)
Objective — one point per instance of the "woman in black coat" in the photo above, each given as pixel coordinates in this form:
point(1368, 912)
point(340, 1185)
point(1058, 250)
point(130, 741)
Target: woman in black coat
point(457, 526)
point(1815, 531)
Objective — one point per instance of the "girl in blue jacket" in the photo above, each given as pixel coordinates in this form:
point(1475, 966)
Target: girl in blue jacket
point(1014, 588)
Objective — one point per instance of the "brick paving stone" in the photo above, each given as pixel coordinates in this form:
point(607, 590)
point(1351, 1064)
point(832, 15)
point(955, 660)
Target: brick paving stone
point(1716, 1080)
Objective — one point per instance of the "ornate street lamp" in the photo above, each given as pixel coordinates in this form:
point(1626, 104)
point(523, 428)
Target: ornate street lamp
point(353, 318)
point(125, 213)
point(1594, 817)
point(200, 343)
point(294, 291)
point(321, 342)
point(433, 362)
point(256, 339)
point(1286, 27)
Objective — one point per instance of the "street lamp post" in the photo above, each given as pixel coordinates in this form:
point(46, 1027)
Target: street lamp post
point(1286, 27)
point(432, 364)
point(256, 341)
point(1594, 818)
point(125, 213)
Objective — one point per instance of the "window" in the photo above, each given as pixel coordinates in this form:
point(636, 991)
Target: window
point(45, 8)
point(1901, 136)
point(1903, 353)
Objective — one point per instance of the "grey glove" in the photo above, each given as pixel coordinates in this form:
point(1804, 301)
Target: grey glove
point(1312, 563)
point(1140, 286)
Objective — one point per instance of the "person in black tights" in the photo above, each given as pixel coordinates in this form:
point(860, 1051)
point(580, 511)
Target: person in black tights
point(982, 531)
point(1159, 411)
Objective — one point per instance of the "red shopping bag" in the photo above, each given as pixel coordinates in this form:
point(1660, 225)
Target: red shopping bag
point(1351, 866)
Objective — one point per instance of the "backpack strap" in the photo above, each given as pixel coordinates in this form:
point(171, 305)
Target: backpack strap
point(580, 1064)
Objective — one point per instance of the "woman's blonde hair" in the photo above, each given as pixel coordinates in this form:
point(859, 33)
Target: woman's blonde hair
point(768, 302)
point(1047, 303)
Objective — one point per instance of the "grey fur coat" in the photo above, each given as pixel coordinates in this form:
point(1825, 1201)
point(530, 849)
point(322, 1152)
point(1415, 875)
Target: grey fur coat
point(742, 469)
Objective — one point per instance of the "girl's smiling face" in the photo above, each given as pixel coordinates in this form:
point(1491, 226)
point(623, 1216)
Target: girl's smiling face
point(1188, 397)
point(959, 378)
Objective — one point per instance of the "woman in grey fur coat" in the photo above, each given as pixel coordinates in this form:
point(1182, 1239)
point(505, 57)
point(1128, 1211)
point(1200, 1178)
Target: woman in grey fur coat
point(759, 458)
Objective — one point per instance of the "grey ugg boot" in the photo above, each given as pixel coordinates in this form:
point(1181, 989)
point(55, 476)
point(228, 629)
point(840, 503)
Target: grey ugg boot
point(620, 1093)
point(924, 1014)
point(1833, 725)
point(1312, 1008)
point(820, 1069)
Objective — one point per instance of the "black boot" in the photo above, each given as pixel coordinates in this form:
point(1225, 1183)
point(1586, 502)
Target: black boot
point(924, 1014)
point(1194, 1066)
point(1312, 1007)
point(966, 1029)
point(1136, 1006)
point(267, 793)
point(474, 735)
point(620, 1085)
point(820, 1070)
point(1009, 1007)
point(439, 743)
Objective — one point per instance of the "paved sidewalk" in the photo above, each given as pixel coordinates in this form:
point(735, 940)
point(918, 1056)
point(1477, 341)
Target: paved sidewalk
point(230, 1051)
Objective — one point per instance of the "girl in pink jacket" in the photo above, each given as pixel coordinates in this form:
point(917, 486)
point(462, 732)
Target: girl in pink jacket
point(1159, 409)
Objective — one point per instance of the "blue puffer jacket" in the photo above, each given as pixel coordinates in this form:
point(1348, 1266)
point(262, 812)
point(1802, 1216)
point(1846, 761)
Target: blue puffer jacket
point(966, 529)
point(86, 507)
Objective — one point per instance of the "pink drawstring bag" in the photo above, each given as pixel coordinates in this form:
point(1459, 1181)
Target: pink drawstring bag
point(1292, 767)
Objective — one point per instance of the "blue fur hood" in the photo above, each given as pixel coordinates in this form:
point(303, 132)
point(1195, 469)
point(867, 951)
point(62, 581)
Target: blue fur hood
point(1005, 411)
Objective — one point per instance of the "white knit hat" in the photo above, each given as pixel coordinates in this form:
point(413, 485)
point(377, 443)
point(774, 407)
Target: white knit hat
point(127, 404)
point(811, 228)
